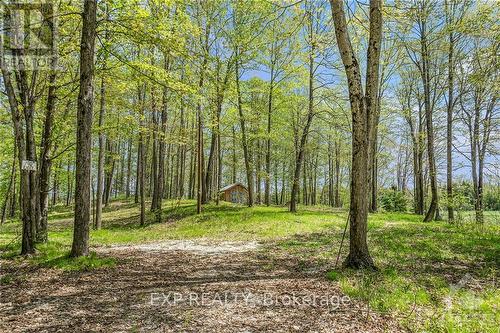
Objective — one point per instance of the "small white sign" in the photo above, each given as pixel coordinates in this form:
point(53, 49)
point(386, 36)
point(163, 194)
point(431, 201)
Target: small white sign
point(29, 165)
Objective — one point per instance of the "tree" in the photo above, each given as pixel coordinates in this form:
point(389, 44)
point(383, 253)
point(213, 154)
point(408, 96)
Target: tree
point(454, 14)
point(362, 109)
point(102, 138)
point(299, 154)
point(415, 123)
point(478, 101)
point(422, 55)
point(80, 245)
point(22, 109)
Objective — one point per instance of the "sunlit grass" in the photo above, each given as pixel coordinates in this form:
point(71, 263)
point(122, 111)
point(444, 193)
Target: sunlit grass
point(419, 262)
point(56, 255)
point(225, 221)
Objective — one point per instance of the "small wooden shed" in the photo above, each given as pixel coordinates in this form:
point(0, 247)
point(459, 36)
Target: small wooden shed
point(235, 193)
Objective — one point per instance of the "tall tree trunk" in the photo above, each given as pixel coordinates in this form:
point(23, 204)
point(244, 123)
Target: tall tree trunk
point(192, 163)
point(233, 174)
point(200, 163)
point(449, 131)
point(155, 153)
point(479, 193)
point(244, 140)
point(310, 114)
point(276, 198)
point(374, 157)
point(14, 196)
point(137, 167)
point(161, 154)
point(25, 142)
point(182, 154)
point(220, 155)
point(129, 169)
point(45, 159)
point(267, 195)
point(46, 149)
point(258, 174)
point(304, 187)
point(337, 174)
point(109, 171)
point(330, 173)
point(213, 143)
point(119, 188)
point(416, 136)
point(80, 245)
point(100, 157)
point(9, 188)
point(141, 160)
point(432, 213)
point(69, 183)
point(201, 189)
point(359, 256)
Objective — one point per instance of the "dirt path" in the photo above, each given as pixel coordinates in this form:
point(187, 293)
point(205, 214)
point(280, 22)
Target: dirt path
point(197, 247)
point(163, 288)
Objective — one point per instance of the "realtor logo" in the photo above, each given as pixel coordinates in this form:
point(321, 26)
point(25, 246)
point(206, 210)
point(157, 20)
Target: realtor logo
point(28, 40)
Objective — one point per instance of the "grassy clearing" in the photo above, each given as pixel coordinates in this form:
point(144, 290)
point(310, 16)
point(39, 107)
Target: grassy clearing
point(433, 276)
point(120, 224)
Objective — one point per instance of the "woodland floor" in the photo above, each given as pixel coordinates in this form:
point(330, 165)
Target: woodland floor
point(238, 269)
point(118, 299)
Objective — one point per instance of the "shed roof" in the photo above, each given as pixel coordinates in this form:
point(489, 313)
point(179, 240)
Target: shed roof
point(228, 187)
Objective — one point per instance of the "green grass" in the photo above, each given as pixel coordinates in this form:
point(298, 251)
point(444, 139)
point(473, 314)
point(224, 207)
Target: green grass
point(121, 226)
point(419, 262)
point(423, 303)
point(55, 255)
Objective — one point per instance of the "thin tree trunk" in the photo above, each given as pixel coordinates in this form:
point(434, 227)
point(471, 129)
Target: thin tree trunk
point(155, 153)
point(267, 194)
point(9, 187)
point(141, 161)
point(310, 114)
point(80, 245)
point(244, 140)
point(69, 183)
point(100, 157)
point(449, 131)
point(233, 174)
point(129, 169)
point(199, 160)
point(109, 172)
point(432, 213)
point(13, 199)
point(258, 174)
point(161, 155)
point(182, 154)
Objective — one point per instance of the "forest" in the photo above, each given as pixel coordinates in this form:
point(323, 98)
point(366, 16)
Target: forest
point(157, 152)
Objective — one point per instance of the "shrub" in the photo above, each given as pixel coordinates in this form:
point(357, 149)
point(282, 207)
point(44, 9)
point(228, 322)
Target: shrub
point(492, 198)
point(393, 201)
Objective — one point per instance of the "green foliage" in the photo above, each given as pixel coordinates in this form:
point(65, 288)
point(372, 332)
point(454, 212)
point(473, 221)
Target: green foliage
point(491, 198)
point(463, 196)
point(393, 201)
